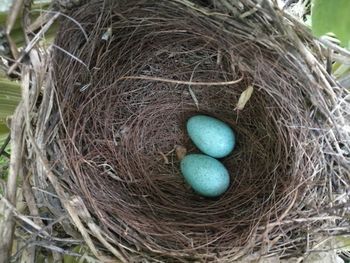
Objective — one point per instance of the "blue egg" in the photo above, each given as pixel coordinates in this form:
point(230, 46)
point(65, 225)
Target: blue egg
point(206, 175)
point(212, 136)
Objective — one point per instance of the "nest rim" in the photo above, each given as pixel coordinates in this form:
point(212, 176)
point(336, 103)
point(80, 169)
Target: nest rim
point(285, 204)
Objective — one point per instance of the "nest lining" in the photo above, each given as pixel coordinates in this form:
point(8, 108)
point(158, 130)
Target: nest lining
point(123, 103)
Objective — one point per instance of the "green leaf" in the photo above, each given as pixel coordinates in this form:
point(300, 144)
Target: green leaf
point(4, 130)
point(343, 242)
point(10, 95)
point(332, 17)
point(17, 32)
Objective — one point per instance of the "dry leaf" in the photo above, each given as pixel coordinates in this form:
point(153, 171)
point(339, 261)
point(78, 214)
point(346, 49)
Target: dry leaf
point(180, 152)
point(245, 96)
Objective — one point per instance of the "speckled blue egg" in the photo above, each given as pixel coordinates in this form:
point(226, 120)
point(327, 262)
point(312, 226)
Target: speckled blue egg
point(212, 136)
point(206, 175)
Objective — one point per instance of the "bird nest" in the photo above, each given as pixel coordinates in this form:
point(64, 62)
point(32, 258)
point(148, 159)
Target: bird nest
point(124, 78)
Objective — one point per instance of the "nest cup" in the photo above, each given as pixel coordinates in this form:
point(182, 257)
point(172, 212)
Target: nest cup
point(128, 75)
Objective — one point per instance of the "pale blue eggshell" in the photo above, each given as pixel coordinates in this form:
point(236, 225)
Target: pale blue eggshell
point(212, 136)
point(206, 175)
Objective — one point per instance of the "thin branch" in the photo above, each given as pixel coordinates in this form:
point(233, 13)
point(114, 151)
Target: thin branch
point(32, 43)
point(223, 83)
